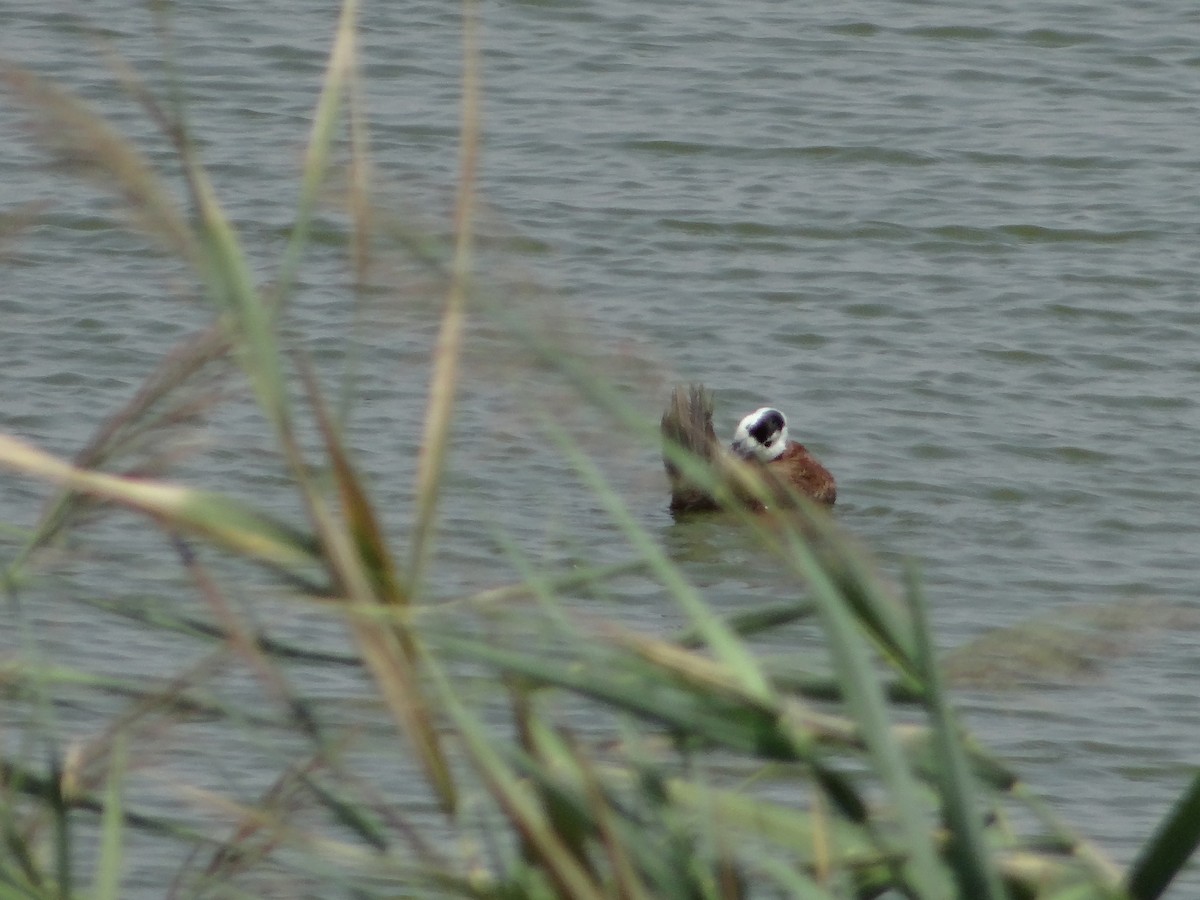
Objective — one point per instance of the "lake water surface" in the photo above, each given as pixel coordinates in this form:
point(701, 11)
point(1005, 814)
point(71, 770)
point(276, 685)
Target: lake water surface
point(957, 244)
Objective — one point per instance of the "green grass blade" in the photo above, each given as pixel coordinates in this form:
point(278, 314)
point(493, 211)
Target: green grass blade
point(515, 797)
point(1165, 854)
point(361, 562)
point(968, 852)
point(720, 639)
point(921, 868)
point(232, 288)
point(701, 716)
point(752, 621)
point(87, 143)
point(372, 548)
point(338, 72)
point(356, 817)
point(448, 350)
point(571, 795)
point(800, 831)
point(60, 807)
point(793, 883)
point(107, 883)
point(154, 409)
point(1103, 876)
point(392, 656)
point(218, 518)
point(637, 689)
point(885, 621)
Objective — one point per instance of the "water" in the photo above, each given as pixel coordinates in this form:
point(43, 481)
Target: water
point(956, 244)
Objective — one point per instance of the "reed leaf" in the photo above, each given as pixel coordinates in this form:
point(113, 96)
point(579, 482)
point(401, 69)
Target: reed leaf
point(107, 881)
point(515, 798)
point(794, 883)
point(625, 685)
point(60, 812)
point(882, 619)
point(154, 409)
point(555, 769)
point(1099, 873)
point(750, 622)
point(232, 289)
point(921, 869)
point(362, 565)
point(392, 661)
point(84, 142)
point(353, 816)
point(721, 640)
point(802, 832)
point(1164, 855)
point(357, 511)
point(220, 519)
point(339, 74)
point(439, 409)
point(968, 853)
point(695, 717)
point(625, 855)
point(17, 779)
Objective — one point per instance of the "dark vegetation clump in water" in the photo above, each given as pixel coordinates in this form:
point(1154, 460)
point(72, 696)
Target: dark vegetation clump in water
point(1066, 647)
point(591, 761)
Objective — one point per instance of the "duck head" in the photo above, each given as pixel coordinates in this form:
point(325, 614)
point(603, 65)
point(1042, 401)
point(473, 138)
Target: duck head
point(762, 435)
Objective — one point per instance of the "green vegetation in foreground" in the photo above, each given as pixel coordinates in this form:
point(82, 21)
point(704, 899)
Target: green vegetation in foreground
point(706, 774)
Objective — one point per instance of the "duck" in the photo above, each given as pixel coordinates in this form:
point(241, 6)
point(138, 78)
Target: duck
point(762, 468)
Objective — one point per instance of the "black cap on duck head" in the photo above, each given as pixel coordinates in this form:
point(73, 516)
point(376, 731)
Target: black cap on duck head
point(762, 435)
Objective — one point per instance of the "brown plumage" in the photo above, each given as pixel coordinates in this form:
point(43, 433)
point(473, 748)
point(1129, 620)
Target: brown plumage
point(802, 473)
point(761, 469)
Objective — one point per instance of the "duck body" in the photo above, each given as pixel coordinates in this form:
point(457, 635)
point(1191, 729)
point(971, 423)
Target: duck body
point(762, 468)
point(796, 471)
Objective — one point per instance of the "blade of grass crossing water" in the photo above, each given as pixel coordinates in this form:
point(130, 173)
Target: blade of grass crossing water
point(356, 817)
point(231, 283)
point(61, 825)
point(886, 622)
point(1075, 892)
point(741, 728)
point(792, 882)
point(448, 350)
point(19, 868)
point(720, 639)
point(968, 851)
point(538, 584)
point(219, 518)
point(1165, 854)
point(174, 372)
point(107, 883)
point(362, 216)
point(1105, 876)
point(339, 72)
point(393, 663)
point(553, 770)
point(357, 511)
point(620, 846)
point(232, 289)
point(578, 806)
point(752, 621)
point(514, 797)
point(921, 868)
point(83, 139)
point(364, 569)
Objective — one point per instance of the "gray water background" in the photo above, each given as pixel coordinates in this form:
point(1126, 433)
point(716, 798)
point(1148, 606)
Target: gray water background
point(955, 243)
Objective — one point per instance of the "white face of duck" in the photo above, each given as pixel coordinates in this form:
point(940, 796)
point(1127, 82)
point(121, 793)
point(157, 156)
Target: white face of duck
point(762, 435)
